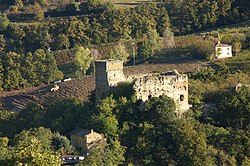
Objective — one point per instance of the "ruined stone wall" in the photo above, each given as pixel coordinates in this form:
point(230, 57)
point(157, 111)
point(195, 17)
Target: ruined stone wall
point(172, 85)
point(110, 72)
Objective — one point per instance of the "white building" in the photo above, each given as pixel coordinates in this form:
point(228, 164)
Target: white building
point(223, 50)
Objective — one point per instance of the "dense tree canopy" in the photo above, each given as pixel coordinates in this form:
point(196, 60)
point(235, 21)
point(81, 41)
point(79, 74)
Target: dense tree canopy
point(19, 70)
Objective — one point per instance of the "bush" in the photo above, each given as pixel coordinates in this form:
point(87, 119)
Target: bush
point(202, 49)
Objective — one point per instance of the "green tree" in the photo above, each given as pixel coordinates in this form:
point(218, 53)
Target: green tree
point(2, 43)
point(46, 67)
point(159, 110)
point(98, 33)
point(29, 69)
point(233, 109)
point(5, 153)
point(39, 14)
point(202, 49)
point(106, 154)
point(12, 77)
point(105, 120)
point(17, 37)
point(156, 143)
point(76, 32)
point(61, 42)
point(32, 153)
point(83, 59)
point(118, 52)
point(62, 144)
point(117, 24)
point(39, 57)
point(42, 134)
point(150, 45)
point(192, 145)
point(36, 37)
point(162, 19)
point(91, 5)
point(142, 19)
point(52, 71)
point(236, 47)
point(4, 22)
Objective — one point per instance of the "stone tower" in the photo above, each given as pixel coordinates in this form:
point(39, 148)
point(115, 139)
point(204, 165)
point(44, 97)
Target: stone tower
point(108, 74)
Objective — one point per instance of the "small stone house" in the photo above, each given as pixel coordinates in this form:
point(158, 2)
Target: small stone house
point(223, 50)
point(84, 139)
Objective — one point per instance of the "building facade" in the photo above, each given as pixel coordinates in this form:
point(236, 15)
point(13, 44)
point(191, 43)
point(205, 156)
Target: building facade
point(171, 84)
point(223, 50)
point(84, 139)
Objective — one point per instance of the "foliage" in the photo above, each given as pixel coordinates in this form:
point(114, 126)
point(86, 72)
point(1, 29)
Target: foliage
point(19, 70)
point(31, 152)
point(82, 59)
point(234, 37)
point(236, 47)
point(139, 133)
point(112, 25)
point(42, 134)
point(31, 147)
point(105, 120)
point(39, 14)
point(160, 110)
point(5, 153)
point(77, 32)
point(116, 22)
point(202, 49)
point(62, 144)
point(4, 22)
point(106, 154)
point(192, 15)
point(233, 109)
point(61, 42)
point(150, 45)
point(118, 52)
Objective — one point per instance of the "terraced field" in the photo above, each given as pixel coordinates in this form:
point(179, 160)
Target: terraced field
point(80, 88)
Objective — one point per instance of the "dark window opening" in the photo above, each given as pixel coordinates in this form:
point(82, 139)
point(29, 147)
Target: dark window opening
point(181, 98)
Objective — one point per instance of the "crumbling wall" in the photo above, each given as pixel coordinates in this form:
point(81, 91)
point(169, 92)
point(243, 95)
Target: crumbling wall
point(172, 84)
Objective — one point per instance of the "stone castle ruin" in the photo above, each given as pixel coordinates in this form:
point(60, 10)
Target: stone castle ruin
point(172, 84)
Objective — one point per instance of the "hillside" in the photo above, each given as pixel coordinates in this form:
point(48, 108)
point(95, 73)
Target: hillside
point(80, 88)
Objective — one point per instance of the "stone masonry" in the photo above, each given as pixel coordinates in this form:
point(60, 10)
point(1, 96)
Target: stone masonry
point(108, 74)
point(172, 84)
